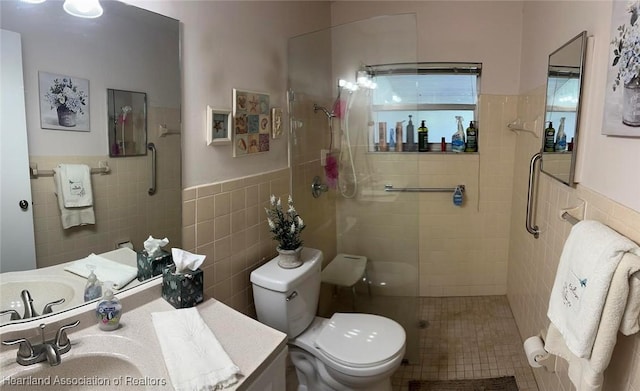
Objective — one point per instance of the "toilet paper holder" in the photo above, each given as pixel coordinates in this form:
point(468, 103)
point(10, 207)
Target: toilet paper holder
point(536, 354)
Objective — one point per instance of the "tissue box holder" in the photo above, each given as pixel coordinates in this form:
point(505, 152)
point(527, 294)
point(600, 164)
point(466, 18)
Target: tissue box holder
point(182, 290)
point(149, 267)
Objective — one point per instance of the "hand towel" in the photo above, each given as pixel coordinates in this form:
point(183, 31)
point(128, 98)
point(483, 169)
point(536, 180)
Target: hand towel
point(106, 270)
point(589, 259)
point(193, 356)
point(71, 216)
point(621, 310)
point(76, 185)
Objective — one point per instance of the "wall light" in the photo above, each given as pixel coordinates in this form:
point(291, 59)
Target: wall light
point(83, 8)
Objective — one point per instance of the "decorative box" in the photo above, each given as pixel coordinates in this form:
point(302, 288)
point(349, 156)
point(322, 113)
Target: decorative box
point(152, 266)
point(182, 290)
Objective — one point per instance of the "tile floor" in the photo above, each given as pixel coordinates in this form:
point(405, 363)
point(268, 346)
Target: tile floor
point(466, 337)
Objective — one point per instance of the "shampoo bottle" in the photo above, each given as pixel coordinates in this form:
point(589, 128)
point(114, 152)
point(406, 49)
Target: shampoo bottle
point(549, 138)
point(472, 138)
point(457, 140)
point(109, 309)
point(411, 142)
point(561, 138)
point(93, 288)
point(423, 138)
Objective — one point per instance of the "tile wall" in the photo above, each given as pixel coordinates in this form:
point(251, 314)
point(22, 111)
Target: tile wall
point(533, 262)
point(226, 222)
point(123, 208)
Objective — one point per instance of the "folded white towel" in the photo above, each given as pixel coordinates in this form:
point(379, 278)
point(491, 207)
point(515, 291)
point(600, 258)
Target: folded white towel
point(106, 270)
point(71, 216)
point(75, 180)
point(589, 259)
point(621, 310)
point(193, 356)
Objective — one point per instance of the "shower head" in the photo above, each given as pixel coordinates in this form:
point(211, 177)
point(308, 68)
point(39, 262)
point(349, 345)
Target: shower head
point(326, 112)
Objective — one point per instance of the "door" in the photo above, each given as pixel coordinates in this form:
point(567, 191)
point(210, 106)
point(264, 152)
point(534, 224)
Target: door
point(17, 245)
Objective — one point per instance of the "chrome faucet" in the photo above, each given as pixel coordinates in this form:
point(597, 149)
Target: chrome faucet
point(29, 311)
point(49, 351)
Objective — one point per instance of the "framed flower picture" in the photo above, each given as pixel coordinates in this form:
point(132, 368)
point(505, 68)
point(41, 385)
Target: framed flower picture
point(251, 122)
point(218, 126)
point(622, 96)
point(64, 102)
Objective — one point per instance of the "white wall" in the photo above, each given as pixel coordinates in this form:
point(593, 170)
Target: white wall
point(608, 165)
point(228, 45)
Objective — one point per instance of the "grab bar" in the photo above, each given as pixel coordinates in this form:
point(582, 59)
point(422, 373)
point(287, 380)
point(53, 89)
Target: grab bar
point(152, 148)
point(531, 228)
point(424, 189)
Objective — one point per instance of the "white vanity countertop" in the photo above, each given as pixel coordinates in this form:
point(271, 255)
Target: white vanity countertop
point(250, 344)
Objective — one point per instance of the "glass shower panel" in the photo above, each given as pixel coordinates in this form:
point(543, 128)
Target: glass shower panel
point(357, 216)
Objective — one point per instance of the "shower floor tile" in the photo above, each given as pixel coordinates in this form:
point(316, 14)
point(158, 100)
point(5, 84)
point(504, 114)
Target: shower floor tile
point(466, 338)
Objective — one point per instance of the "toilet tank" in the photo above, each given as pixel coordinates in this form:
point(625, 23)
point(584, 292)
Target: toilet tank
point(287, 299)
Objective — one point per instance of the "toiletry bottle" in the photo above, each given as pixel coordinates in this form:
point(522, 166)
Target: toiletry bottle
point(561, 138)
point(411, 142)
point(382, 137)
point(457, 140)
point(392, 141)
point(399, 136)
point(472, 138)
point(93, 288)
point(457, 196)
point(443, 145)
point(570, 145)
point(549, 138)
point(109, 309)
point(423, 138)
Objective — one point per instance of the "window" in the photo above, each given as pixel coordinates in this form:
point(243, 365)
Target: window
point(433, 92)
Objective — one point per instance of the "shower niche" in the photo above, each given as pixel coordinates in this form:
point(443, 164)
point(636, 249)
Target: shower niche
point(127, 123)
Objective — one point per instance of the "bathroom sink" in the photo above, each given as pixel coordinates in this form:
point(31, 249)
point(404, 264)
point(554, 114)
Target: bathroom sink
point(43, 289)
point(99, 361)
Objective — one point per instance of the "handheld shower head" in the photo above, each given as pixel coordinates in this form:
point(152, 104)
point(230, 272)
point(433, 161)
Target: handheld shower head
point(324, 110)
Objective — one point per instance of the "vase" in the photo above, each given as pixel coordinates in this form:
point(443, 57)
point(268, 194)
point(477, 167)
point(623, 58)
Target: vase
point(289, 259)
point(66, 117)
point(631, 103)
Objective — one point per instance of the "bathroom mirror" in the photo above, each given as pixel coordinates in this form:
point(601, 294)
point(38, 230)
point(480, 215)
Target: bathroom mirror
point(129, 57)
point(127, 123)
point(562, 109)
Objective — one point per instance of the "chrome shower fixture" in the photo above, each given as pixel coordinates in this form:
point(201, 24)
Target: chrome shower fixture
point(324, 110)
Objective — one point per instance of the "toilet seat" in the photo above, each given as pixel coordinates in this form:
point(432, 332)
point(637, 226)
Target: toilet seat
point(334, 343)
point(360, 340)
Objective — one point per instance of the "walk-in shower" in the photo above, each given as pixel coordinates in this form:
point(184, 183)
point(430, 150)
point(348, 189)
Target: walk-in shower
point(358, 217)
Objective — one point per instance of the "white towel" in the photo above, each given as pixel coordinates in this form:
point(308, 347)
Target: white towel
point(75, 181)
point(589, 259)
point(621, 310)
point(72, 216)
point(193, 356)
point(106, 270)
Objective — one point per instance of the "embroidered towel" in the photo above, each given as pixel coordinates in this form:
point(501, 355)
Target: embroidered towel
point(71, 216)
point(106, 270)
point(590, 256)
point(193, 356)
point(75, 180)
point(620, 313)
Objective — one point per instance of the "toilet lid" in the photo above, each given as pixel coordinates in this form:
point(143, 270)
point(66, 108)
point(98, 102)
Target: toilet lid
point(360, 340)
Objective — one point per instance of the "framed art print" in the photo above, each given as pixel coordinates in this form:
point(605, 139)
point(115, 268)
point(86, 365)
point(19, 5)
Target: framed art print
point(218, 126)
point(64, 102)
point(251, 122)
point(622, 94)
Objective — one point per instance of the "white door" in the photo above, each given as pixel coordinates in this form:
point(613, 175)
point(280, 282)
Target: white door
point(17, 245)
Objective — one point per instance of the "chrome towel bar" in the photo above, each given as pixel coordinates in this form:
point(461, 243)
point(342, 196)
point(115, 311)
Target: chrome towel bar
point(390, 188)
point(566, 216)
point(35, 172)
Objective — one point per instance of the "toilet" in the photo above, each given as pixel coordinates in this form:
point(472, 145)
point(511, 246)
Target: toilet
point(349, 351)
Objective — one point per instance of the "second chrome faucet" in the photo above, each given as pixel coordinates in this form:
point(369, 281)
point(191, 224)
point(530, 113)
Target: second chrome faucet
point(49, 351)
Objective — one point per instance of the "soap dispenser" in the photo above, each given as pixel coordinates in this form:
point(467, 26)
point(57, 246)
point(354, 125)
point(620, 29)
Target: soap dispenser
point(93, 288)
point(109, 309)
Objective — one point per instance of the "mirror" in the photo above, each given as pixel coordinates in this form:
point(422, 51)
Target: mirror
point(127, 123)
point(127, 49)
point(562, 109)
